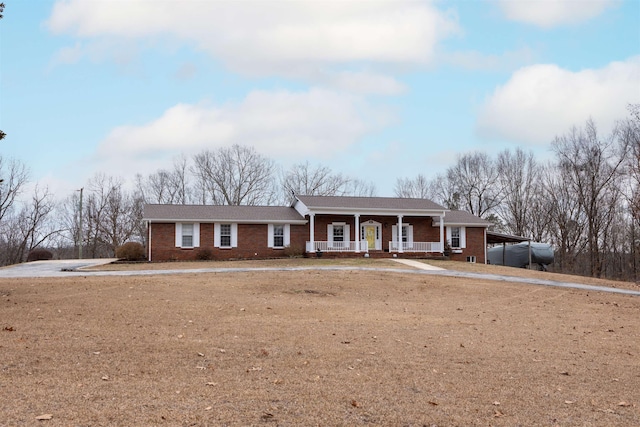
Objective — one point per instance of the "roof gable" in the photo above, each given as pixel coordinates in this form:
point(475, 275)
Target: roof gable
point(391, 204)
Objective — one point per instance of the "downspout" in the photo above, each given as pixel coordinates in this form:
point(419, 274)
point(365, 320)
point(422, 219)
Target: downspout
point(149, 239)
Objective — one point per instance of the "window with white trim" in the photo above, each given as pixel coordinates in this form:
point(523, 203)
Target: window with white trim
point(338, 233)
point(225, 235)
point(455, 237)
point(187, 235)
point(278, 236)
point(407, 235)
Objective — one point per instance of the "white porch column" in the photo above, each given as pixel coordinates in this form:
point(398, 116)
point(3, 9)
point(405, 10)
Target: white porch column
point(312, 232)
point(442, 233)
point(357, 232)
point(399, 233)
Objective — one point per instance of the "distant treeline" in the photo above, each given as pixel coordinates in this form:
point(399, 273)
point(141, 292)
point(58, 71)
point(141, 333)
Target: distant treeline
point(585, 202)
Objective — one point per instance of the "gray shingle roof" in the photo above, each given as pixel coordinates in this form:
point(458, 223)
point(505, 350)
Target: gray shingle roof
point(348, 202)
point(462, 218)
point(202, 213)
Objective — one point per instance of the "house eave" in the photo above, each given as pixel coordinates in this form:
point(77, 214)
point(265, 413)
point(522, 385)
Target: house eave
point(374, 212)
point(227, 220)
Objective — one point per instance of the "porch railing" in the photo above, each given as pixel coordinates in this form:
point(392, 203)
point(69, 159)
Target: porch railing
point(416, 247)
point(324, 246)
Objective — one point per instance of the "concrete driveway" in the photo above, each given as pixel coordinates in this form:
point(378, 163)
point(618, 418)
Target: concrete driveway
point(52, 268)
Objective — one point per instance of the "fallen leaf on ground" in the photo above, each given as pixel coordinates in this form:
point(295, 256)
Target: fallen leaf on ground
point(105, 378)
point(569, 402)
point(44, 417)
point(498, 414)
point(624, 404)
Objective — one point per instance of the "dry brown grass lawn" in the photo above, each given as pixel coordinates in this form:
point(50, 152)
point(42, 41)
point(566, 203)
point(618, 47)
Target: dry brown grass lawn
point(315, 348)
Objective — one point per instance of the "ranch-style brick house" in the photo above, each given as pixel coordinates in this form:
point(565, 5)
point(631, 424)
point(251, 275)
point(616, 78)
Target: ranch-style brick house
point(331, 225)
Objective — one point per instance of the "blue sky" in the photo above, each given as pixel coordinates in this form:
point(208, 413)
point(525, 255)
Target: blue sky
point(377, 89)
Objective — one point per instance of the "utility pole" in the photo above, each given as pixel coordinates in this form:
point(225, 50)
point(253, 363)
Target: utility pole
point(80, 228)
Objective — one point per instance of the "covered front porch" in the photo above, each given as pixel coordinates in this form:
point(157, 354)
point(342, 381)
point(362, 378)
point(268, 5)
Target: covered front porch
point(364, 247)
point(369, 234)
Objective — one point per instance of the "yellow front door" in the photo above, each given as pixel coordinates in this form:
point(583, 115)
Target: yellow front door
point(370, 235)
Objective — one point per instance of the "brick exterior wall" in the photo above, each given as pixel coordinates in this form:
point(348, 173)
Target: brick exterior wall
point(252, 243)
point(475, 245)
point(252, 239)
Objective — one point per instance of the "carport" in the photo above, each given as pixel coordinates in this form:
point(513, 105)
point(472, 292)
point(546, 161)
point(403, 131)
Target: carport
point(500, 238)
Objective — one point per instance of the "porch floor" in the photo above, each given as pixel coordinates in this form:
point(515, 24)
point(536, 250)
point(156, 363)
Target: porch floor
point(379, 254)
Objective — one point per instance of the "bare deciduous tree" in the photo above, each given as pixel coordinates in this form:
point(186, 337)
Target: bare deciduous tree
point(27, 229)
point(418, 188)
point(593, 170)
point(111, 216)
point(167, 186)
point(473, 181)
point(360, 188)
point(13, 177)
point(568, 219)
point(308, 180)
point(519, 178)
point(237, 175)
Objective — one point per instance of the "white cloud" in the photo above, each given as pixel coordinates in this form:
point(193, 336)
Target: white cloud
point(542, 101)
point(186, 71)
point(318, 124)
point(478, 61)
point(287, 37)
point(551, 13)
point(362, 82)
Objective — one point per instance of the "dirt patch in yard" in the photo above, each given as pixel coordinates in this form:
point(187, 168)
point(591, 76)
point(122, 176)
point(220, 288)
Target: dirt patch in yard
point(315, 348)
point(264, 263)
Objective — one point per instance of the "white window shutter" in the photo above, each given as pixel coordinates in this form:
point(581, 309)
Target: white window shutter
point(394, 233)
point(270, 235)
point(410, 235)
point(234, 235)
point(448, 233)
point(178, 235)
point(287, 234)
point(216, 235)
point(463, 237)
point(196, 235)
point(330, 233)
point(347, 235)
